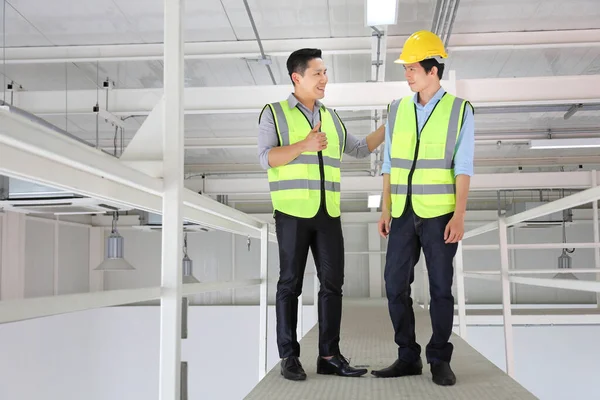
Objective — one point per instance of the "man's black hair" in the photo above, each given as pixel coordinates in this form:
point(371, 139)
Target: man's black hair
point(298, 61)
point(429, 63)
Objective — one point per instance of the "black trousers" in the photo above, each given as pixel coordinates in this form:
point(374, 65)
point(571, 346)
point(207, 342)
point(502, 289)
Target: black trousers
point(408, 234)
point(323, 235)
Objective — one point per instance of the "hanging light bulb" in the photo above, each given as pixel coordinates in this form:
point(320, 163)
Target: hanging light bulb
point(188, 265)
point(114, 251)
point(564, 260)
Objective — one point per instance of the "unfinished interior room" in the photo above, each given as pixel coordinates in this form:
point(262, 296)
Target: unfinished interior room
point(193, 191)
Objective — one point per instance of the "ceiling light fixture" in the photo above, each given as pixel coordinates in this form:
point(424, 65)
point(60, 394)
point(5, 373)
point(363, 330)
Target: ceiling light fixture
point(115, 251)
point(188, 265)
point(575, 143)
point(374, 200)
point(564, 260)
point(381, 12)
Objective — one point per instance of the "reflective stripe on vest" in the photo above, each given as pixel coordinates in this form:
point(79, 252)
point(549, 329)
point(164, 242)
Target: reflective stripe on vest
point(296, 187)
point(432, 186)
point(423, 189)
point(303, 184)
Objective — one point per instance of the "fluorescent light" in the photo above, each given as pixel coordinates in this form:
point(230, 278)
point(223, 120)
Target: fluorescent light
point(381, 12)
point(575, 143)
point(374, 200)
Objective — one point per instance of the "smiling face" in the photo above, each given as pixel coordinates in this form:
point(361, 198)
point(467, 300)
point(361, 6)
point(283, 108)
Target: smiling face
point(418, 79)
point(312, 83)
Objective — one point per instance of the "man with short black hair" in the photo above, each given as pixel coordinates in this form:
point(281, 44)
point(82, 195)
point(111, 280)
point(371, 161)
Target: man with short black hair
point(301, 143)
point(427, 168)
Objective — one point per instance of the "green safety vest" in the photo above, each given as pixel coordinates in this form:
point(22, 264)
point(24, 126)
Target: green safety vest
point(296, 187)
point(424, 167)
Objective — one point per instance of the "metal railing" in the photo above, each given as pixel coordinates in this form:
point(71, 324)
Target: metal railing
point(506, 276)
point(25, 309)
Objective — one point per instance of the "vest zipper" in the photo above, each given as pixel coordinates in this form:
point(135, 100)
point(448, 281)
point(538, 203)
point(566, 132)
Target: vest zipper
point(414, 163)
point(321, 168)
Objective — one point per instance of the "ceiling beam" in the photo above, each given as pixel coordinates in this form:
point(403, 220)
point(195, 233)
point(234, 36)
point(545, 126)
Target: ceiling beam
point(342, 96)
point(35, 152)
point(482, 137)
point(282, 48)
point(365, 184)
point(24, 165)
point(355, 166)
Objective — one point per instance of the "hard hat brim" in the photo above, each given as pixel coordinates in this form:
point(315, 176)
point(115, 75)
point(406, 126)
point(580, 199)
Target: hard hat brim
point(436, 57)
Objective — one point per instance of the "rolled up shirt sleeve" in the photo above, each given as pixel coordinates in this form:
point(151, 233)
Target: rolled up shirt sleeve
point(267, 137)
point(386, 167)
point(465, 146)
point(356, 147)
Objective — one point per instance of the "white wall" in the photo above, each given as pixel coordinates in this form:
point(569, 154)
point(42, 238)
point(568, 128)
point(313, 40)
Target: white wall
point(112, 354)
point(51, 267)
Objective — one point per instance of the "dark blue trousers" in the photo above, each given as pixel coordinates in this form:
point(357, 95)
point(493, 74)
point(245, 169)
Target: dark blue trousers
point(408, 235)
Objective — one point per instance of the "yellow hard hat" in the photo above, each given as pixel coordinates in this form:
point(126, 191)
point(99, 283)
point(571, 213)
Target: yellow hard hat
point(420, 46)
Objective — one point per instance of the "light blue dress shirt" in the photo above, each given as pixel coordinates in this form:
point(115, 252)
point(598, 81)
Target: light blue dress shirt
point(465, 144)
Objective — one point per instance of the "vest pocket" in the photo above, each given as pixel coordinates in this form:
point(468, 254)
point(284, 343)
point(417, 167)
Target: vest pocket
point(433, 151)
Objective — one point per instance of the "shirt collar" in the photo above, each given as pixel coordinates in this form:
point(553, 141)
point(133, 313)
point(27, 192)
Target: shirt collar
point(293, 102)
point(436, 97)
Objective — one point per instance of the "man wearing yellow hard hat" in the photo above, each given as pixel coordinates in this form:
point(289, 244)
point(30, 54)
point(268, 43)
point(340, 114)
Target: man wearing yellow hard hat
point(428, 164)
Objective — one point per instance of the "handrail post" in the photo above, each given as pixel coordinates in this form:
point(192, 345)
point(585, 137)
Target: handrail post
point(460, 291)
point(263, 302)
point(506, 303)
point(596, 232)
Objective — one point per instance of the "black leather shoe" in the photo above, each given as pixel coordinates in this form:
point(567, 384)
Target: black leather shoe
point(442, 373)
point(338, 365)
point(291, 369)
point(400, 368)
